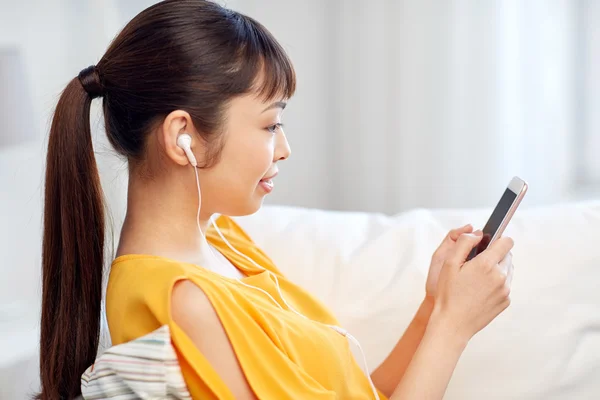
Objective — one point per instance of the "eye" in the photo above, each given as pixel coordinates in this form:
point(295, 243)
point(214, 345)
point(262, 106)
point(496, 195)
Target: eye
point(273, 128)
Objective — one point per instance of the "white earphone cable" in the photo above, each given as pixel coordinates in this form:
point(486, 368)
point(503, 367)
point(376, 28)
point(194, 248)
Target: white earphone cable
point(338, 329)
point(199, 202)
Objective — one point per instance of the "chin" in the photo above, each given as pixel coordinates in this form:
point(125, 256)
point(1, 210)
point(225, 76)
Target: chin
point(253, 208)
point(249, 208)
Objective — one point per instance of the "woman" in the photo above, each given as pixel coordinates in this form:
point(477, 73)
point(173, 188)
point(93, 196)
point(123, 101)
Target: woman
point(193, 67)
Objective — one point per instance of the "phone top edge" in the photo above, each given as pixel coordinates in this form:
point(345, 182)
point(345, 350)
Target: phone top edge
point(516, 185)
point(519, 188)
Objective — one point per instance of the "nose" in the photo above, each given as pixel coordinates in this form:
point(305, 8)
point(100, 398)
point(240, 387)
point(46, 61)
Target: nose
point(282, 147)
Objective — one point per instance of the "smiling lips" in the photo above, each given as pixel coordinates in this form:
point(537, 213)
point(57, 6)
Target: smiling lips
point(267, 183)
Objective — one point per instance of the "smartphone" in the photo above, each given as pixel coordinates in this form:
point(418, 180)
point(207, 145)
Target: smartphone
point(501, 215)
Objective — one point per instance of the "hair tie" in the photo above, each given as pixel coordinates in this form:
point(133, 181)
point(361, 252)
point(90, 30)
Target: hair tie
point(90, 80)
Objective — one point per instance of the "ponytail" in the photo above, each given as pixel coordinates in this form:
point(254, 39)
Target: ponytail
point(72, 251)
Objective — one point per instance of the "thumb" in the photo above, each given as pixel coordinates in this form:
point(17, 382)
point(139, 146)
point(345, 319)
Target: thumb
point(454, 234)
point(465, 243)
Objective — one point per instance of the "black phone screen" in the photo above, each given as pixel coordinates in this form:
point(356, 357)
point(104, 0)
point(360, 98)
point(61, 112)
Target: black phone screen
point(494, 222)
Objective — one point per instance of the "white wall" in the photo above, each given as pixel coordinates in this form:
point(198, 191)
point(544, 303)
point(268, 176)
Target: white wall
point(21, 170)
point(21, 173)
point(406, 103)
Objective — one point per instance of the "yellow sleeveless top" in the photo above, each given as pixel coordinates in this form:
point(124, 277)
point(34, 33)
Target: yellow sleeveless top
point(282, 355)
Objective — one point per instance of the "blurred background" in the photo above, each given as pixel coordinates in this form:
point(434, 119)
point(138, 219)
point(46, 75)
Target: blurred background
point(400, 104)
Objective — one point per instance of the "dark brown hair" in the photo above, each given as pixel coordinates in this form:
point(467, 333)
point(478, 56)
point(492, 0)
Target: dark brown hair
point(190, 55)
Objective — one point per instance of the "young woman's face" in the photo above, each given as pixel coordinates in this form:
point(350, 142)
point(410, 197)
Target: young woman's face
point(254, 142)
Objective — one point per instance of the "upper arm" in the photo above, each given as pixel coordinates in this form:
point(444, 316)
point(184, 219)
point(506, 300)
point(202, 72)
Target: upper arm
point(193, 312)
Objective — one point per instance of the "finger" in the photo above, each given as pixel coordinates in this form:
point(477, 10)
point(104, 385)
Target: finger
point(509, 275)
point(499, 249)
point(510, 272)
point(455, 233)
point(505, 264)
point(464, 245)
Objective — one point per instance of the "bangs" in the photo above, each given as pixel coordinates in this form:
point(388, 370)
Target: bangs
point(263, 64)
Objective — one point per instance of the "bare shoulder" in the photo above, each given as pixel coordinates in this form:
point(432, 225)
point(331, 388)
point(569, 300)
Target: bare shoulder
point(188, 300)
point(193, 312)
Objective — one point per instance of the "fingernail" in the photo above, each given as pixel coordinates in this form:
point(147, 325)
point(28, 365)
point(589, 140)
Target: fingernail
point(478, 232)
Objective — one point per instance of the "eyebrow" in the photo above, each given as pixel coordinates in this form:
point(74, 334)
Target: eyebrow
point(280, 104)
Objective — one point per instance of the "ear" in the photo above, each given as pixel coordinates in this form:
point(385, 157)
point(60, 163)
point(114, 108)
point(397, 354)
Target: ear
point(175, 124)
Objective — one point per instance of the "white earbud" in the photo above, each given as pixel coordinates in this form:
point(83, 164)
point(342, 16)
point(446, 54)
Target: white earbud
point(185, 142)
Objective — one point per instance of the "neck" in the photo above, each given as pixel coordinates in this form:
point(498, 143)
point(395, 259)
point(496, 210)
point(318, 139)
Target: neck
point(159, 223)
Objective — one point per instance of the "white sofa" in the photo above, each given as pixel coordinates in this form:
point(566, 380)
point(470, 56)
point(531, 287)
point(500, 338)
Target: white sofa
point(370, 269)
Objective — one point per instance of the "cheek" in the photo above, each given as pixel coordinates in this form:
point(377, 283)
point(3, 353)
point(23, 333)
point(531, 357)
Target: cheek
point(254, 160)
point(232, 186)
point(242, 165)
